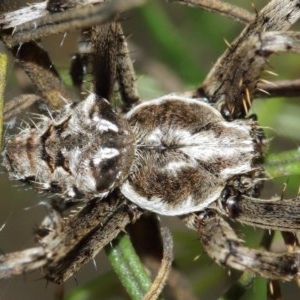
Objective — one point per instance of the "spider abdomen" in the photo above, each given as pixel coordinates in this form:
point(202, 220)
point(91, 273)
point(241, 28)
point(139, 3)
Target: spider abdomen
point(186, 153)
point(84, 153)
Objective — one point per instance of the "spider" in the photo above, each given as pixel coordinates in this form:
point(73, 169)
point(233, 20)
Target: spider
point(197, 155)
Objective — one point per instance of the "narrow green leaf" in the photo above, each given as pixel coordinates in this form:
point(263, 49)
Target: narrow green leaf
point(128, 267)
point(286, 163)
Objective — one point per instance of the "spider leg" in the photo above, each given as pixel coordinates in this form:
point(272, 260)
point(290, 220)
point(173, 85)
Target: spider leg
point(237, 72)
point(104, 50)
point(17, 263)
point(36, 63)
point(273, 286)
point(222, 8)
point(112, 62)
point(274, 214)
point(77, 18)
point(80, 60)
point(71, 242)
point(107, 43)
point(278, 88)
point(68, 243)
point(97, 224)
point(18, 104)
point(125, 73)
point(223, 246)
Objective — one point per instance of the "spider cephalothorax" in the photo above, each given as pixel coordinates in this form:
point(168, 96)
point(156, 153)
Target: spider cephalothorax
point(84, 153)
point(197, 155)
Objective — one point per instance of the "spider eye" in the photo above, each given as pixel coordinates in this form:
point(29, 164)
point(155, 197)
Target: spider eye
point(226, 112)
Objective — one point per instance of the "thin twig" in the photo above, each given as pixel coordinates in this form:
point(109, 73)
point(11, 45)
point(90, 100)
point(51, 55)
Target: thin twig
point(165, 268)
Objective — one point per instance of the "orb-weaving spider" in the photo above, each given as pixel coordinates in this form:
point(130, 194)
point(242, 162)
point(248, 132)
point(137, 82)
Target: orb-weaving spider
point(196, 155)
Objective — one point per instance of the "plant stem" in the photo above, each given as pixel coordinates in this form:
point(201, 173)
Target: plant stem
point(3, 64)
point(128, 267)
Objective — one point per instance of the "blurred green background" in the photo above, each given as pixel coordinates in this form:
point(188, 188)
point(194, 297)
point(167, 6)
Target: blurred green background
point(173, 47)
